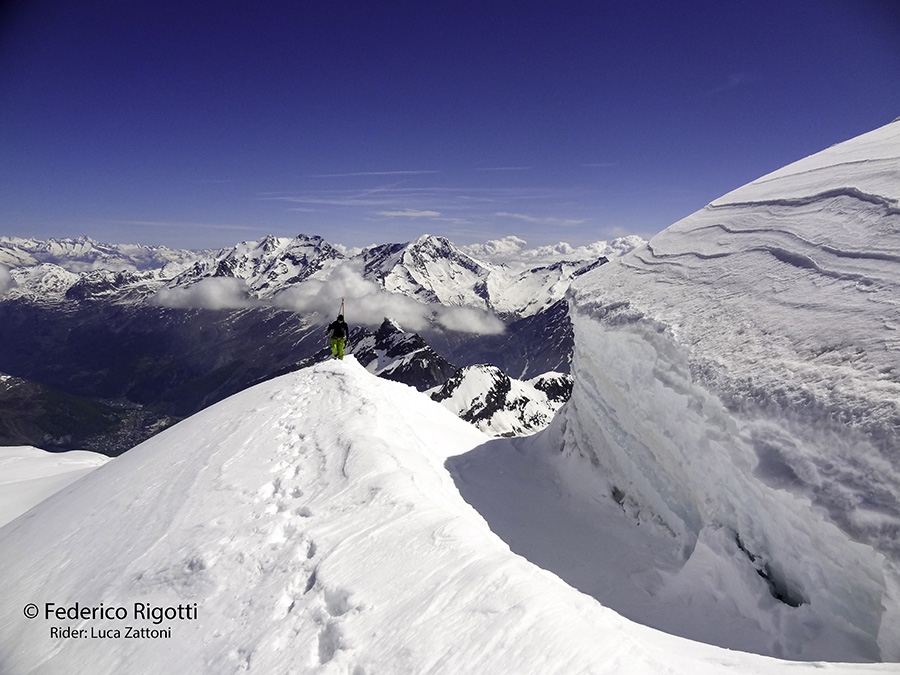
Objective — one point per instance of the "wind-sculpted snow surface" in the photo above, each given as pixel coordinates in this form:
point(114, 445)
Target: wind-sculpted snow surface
point(306, 525)
point(738, 382)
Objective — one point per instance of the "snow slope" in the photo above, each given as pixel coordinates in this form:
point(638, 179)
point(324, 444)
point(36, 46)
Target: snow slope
point(29, 475)
point(308, 525)
point(737, 384)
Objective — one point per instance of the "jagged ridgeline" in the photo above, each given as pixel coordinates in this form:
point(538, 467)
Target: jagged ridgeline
point(128, 339)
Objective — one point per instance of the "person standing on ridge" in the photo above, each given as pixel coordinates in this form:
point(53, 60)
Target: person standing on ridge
point(339, 332)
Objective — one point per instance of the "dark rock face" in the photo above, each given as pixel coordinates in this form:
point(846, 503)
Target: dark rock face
point(397, 355)
point(497, 404)
point(529, 346)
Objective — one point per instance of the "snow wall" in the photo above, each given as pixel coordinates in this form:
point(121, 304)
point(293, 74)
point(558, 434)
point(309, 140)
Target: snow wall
point(737, 382)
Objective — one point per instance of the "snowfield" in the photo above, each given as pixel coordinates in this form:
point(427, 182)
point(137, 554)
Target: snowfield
point(309, 525)
point(29, 475)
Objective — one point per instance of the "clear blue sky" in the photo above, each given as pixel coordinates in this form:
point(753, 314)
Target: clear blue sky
point(197, 124)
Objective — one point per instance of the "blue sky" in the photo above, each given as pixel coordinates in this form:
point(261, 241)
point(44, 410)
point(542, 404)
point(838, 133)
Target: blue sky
point(200, 124)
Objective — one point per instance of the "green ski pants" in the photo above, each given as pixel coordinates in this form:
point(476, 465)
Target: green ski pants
point(337, 347)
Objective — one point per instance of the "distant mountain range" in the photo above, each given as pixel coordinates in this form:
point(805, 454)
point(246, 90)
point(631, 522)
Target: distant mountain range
point(163, 333)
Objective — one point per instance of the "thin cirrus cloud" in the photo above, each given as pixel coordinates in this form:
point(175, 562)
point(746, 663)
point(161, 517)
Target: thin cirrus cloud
point(410, 213)
point(734, 81)
point(540, 220)
point(355, 174)
point(324, 200)
point(505, 168)
point(410, 206)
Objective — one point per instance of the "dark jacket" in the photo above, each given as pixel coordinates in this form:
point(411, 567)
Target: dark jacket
point(338, 329)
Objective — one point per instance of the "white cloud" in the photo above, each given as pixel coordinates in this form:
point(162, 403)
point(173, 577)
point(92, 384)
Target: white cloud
point(366, 303)
point(511, 250)
point(469, 320)
point(209, 293)
point(6, 280)
point(506, 246)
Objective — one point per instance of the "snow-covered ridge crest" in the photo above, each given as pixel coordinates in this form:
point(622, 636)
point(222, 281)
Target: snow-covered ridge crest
point(736, 379)
point(311, 522)
point(84, 254)
point(314, 528)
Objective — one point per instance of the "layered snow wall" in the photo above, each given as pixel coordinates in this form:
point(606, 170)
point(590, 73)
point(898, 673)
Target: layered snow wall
point(737, 381)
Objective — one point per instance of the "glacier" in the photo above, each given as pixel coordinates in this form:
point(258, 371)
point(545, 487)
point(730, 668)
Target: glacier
point(737, 386)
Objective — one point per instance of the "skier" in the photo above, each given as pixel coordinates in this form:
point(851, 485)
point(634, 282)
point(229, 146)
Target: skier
point(339, 333)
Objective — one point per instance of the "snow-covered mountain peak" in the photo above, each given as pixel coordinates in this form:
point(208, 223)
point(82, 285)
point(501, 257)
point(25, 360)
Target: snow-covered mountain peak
point(268, 265)
point(44, 283)
point(430, 243)
point(429, 269)
point(389, 327)
point(401, 356)
point(430, 248)
point(396, 342)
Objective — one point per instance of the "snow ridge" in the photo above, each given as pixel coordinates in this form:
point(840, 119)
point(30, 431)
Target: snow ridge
point(84, 254)
point(306, 548)
point(312, 524)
